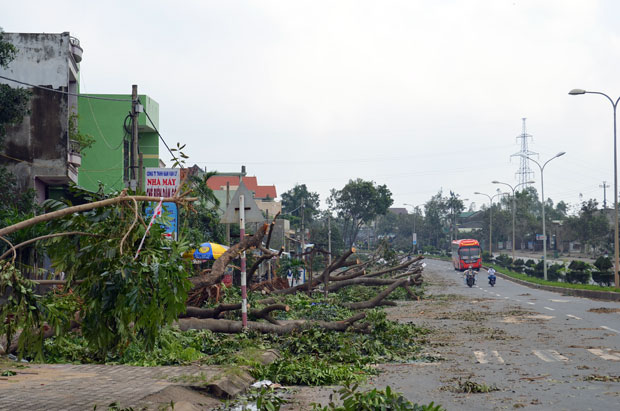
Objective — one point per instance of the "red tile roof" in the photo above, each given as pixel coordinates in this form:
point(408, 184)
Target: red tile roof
point(219, 183)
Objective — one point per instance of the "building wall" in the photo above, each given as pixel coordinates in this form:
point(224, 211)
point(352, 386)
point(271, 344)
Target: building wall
point(36, 151)
point(107, 160)
point(269, 208)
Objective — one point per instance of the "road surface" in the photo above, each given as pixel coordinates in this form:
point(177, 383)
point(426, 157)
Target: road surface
point(541, 350)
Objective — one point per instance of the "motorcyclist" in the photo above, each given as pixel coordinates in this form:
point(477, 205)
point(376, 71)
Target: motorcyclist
point(491, 276)
point(491, 272)
point(471, 271)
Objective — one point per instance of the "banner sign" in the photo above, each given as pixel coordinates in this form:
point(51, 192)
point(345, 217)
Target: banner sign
point(162, 182)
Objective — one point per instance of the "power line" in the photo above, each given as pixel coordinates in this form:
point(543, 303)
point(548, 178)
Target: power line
point(65, 92)
point(157, 131)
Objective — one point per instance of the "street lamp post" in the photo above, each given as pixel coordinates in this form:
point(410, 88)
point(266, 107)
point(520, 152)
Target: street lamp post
point(414, 239)
point(513, 210)
point(490, 218)
point(614, 104)
point(542, 189)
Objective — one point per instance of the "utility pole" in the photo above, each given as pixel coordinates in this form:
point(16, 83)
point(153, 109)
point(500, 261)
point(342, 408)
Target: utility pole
point(329, 256)
point(604, 186)
point(303, 230)
point(329, 238)
point(227, 204)
point(134, 182)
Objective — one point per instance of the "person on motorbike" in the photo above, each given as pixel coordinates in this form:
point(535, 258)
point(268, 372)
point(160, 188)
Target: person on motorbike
point(471, 271)
point(491, 276)
point(491, 272)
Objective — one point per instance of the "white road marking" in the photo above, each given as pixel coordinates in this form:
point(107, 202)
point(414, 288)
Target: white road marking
point(530, 303)
point(603, 355)
point(550, 309)
point(610, 329)
point(481, 357)
point(557, 355)
point(559, 301)
point(499, 295)
point(549, 355)
point(516, 299)
point(499, 358)
point(507, 298)
point(573, 316)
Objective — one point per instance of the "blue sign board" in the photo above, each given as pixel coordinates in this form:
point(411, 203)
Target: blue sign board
point(170, 215)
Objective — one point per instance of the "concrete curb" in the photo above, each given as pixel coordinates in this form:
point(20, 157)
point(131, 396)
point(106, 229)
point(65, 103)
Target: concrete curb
point(596, 295)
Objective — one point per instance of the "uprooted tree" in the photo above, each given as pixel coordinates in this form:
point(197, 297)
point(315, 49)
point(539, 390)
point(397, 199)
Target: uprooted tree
point(116, 294)
point(344, 271)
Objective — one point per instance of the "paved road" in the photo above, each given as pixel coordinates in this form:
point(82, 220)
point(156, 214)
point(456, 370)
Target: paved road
point(539, 348)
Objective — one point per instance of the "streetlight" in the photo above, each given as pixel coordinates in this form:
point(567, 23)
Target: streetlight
point(576, 92)
point(490, 218)
point(413, 235)
point(542, 189)
point(513, 209)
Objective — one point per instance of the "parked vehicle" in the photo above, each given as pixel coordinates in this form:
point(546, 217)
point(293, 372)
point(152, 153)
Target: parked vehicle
point(466, 253)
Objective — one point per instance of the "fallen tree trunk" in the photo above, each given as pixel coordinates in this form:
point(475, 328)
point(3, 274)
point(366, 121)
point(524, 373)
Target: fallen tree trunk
point(216, 311)
point(353, 274)
point(85, 207)
point(267, 255)
point(360, 281)
point(395, 268)
point(378, 299)
point(340, 262)
point(233, 327)
point(411, 271)
point(219, 267)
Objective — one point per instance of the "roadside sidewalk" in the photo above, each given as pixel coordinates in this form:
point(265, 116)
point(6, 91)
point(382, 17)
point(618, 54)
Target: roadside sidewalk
point(82, 387)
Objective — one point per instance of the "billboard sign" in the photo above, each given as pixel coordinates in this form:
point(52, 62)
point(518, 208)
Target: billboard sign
point(164, 182)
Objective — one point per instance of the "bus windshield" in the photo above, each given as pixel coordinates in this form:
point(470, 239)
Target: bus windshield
point(472, 253)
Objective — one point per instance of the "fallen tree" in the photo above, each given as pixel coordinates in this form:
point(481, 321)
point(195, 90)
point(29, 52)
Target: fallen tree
point(286, 327)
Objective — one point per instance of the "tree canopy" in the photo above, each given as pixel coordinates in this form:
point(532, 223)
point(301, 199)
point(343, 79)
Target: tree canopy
point(292, 204)
point(359, 202)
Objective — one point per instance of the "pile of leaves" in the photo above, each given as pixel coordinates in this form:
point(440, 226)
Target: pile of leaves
point(354, 400)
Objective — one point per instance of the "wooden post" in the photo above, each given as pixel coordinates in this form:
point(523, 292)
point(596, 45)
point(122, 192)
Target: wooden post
point(244, 295)
point(227, 204)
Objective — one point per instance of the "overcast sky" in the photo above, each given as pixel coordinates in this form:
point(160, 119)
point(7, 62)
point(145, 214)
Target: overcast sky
point(418, 95)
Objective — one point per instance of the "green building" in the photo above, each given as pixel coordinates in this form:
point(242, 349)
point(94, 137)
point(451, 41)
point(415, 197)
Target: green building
point(107, 162)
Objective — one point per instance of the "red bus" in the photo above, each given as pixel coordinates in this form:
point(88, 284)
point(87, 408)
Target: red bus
point(465, 253)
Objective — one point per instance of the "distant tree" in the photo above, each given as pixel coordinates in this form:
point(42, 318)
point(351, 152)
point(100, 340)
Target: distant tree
point(437, 215)
point(292, 205)
point(454, 205)
point(590, 227)
point(357, 203)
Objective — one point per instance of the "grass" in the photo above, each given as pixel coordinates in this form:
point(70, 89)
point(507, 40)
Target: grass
point(535, 280)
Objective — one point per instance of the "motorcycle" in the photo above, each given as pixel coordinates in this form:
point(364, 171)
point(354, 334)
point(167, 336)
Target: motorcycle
point(492, 279)
point(470, 277)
